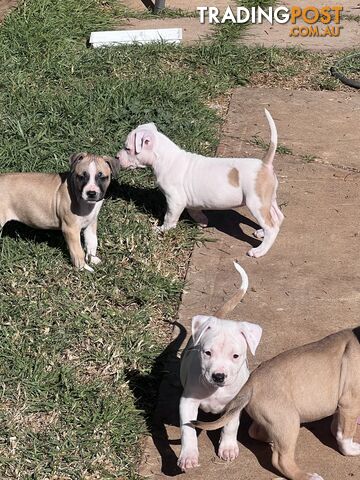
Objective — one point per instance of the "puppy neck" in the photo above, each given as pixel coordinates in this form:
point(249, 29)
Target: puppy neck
point(167, 154)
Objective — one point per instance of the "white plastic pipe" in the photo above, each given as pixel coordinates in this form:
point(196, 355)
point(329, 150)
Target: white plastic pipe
point(120, 37)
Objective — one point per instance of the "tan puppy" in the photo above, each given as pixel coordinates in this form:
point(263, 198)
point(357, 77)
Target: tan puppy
point(304, 384)
point(69, 202)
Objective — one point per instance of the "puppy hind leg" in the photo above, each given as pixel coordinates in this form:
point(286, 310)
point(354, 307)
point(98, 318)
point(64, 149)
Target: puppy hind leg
point(278, 212)
point(259, 233)
point(198, 216)
point(346, 430)
point(284, 438)
point(270, 228)
point(258, 432)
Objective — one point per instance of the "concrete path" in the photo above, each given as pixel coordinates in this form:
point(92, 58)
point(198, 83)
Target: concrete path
point(278, 35)
point(6, 6)
point(306, 287)
point(258, 34)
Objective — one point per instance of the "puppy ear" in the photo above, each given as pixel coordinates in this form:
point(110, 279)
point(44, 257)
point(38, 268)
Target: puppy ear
point(148, 126)
point(114, 164)
point(199, 325)
point(144, 139)
point(252, 333)
point(75, 158)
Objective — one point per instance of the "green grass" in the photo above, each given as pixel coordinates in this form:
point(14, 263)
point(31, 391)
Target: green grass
point(260, 142)
point(71, 341)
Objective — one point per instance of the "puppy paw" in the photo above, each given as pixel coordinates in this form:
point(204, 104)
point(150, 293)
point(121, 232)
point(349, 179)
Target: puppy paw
point(188, 459)
point(87, 267)
point(199, 217)
point(158, 229)
point(259, 233)
point(349, 447)
point(313, 476)
point(228, 451)
point(95, 260)
point(253, 253)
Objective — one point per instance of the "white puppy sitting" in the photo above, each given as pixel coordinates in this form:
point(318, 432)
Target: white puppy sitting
point(213, 370)
point(196, 182)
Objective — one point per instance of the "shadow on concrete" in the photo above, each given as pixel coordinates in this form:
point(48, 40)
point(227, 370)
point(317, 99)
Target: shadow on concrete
point(261, 450)
point(322, 430)
point(162, 388)
point(229, 221)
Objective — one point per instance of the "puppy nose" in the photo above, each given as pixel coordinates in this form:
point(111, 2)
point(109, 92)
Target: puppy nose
point(91, 194)
point(218, 377)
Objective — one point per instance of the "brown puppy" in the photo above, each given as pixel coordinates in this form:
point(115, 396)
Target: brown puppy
point(69, 201)
point(302, 385)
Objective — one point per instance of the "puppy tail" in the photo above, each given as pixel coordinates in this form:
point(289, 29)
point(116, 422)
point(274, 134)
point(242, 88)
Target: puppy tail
point(269, 157)
point(232, 409)
point(229, 306)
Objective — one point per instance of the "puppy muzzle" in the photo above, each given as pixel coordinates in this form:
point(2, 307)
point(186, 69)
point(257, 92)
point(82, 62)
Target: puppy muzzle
point(91, 196)
point(218, 379)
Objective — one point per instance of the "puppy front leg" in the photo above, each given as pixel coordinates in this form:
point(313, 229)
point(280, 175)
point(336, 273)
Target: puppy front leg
point(228, 448)
point(175, 208)
point(189, 455)
point(91, 243)
point(72, 237)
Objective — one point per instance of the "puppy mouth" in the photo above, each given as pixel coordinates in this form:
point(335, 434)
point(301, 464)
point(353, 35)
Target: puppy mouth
point(219, 384)
point(212, 382)
point(94, 199)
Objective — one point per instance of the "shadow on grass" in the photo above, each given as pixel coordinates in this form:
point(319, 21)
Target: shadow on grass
point(53, 238)
point(152, 201)
point(147, 200)
point(158, 395)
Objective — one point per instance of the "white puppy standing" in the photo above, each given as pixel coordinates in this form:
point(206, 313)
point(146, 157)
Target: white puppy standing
point(196, 182)
point(213, 370)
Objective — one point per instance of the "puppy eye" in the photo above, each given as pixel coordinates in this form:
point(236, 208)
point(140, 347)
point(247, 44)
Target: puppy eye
point(235, 355)
point(208, 353)
point(100, 174)
point(127, 149)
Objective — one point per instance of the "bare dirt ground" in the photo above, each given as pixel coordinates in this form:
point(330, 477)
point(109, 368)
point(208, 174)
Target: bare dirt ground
point(192, 29)
point(306, 287)
point(186, 5)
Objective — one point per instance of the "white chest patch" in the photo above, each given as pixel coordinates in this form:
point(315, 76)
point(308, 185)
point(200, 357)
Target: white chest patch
point(87, 219)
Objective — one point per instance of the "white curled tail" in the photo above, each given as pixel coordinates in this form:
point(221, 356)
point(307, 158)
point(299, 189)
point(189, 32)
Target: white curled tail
point(269, 157)
point(237, 297)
